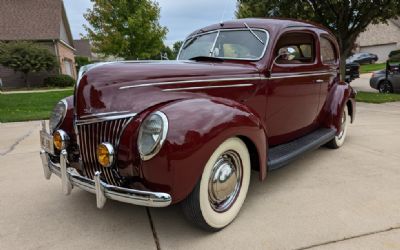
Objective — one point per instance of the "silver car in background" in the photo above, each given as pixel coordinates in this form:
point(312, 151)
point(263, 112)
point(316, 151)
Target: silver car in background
point(386, 81)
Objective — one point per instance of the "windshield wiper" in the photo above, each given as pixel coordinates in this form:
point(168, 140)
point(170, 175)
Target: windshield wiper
point(254, 34)
point(206, 58)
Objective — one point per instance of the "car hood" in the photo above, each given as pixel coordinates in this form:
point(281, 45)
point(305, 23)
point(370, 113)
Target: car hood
point(136, 86)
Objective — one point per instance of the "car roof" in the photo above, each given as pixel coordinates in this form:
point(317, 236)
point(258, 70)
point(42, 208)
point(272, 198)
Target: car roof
point(273, 25)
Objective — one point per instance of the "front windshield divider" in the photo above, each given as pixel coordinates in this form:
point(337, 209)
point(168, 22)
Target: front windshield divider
point(214, 43)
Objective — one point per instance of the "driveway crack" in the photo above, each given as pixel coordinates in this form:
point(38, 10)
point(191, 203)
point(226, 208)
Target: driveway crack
point(153, 229)
point(18, 141)
point(349, 238)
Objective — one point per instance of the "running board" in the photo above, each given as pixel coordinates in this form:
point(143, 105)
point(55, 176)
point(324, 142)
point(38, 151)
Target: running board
point(281, 155)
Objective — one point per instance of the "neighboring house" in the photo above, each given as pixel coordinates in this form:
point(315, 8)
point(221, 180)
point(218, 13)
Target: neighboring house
point(380, 39)
point(41, 21)
point(84, 49)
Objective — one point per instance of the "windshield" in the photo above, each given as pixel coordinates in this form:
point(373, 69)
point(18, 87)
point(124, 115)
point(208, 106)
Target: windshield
point(226, 44)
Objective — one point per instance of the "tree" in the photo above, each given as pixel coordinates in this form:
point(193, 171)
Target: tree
point(345, 18)
point(176, 47)
point(27, 58)
point(81, 61)
point(125, 28)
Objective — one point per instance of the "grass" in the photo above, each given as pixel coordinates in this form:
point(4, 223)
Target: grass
point(29, 106)
point(376, 97)
point(367, 68)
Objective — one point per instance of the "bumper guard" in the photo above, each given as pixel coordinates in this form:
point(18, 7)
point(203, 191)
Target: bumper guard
point(71, 178)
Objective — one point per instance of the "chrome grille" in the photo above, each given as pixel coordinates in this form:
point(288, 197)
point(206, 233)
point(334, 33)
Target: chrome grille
point(90, 136)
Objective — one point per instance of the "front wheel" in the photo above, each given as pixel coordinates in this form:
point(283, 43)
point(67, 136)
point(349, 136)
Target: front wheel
point(220, 193)
point(339, 139)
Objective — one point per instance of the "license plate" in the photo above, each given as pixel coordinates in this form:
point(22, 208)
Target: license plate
point(46, 142)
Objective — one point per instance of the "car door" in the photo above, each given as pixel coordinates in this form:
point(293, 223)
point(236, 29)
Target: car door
point(292, 92)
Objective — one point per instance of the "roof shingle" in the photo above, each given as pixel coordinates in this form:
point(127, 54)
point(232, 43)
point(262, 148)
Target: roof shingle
point(30, 19)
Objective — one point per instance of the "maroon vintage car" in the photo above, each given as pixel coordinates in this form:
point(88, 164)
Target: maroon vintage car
point(249, 94)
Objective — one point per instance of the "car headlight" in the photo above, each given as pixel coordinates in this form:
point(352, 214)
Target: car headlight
point(58, 115)
point(152, 134)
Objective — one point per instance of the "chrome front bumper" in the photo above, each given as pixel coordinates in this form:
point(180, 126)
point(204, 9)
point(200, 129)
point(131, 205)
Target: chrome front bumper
point(71, 178)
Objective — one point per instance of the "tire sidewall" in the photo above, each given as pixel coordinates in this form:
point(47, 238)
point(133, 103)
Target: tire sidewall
point(340, 141)
point(222, 219)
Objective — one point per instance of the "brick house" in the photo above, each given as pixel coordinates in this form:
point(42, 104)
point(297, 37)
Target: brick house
point(380, 39)
point(84, 49)
point(43, 22)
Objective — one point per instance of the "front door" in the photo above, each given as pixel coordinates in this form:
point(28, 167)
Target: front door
point(293, 92)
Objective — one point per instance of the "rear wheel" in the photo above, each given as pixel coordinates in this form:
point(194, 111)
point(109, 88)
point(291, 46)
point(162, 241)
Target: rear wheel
point(339, 139)
point(385, 87)
point(220, 193)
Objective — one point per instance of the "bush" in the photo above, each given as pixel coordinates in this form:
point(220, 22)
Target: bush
point(59, 81)
point(394, 55)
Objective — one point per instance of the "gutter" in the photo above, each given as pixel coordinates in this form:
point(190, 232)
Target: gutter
point(58, 56)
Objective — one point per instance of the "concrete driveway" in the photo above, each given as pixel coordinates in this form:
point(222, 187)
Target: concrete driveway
point(362, 83)
point(329, 199)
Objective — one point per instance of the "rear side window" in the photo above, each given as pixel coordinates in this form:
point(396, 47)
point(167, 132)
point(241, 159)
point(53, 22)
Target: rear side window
point(303, 45)
point(328, 54)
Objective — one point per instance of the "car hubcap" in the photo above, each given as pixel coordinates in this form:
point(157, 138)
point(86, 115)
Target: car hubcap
point(342, 126)
point(225, 181)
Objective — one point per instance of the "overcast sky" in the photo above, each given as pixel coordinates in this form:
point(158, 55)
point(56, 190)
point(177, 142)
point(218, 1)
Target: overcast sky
point(181, 17)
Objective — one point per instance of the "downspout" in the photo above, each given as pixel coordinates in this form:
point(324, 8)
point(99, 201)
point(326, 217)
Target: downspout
point(58, 56)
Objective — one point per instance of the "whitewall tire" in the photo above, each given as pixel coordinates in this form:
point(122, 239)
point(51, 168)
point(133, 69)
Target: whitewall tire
point(220, 193)
point(339, 139)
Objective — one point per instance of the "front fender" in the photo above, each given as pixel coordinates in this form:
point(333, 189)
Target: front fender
point(196, 128)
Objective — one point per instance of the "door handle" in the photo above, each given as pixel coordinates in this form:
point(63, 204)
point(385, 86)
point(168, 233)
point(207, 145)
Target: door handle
point(319, 81)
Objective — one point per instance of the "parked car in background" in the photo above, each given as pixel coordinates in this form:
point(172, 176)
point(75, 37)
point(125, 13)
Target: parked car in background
point(352, 71)
point(248, 94)
point(387, 80)
point(363, 58)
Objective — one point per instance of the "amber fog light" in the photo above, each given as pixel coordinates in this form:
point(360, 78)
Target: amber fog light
point(60, 139)
point(105, 154)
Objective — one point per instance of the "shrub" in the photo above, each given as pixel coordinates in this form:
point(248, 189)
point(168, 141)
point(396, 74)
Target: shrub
point(59, 81)
point(394, 55)
point(81, 61)
point(26, 57)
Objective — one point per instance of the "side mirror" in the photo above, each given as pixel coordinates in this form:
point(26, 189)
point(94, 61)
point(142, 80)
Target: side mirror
point(286, 53)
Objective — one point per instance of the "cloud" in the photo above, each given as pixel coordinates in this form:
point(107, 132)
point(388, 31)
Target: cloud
point(181, 17)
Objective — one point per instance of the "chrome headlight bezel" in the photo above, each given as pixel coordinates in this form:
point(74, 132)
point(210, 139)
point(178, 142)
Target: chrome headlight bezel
point(58, 115)
point(151, 150)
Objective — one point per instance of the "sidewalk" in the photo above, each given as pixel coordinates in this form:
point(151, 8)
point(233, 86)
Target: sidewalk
point(33, 91)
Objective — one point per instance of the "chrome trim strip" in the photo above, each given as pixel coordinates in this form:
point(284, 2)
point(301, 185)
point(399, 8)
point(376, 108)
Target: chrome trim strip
point(210, 87)
point(302, 74)
point(103, 114)
point(192, 81)
point(102, 119)
point(71, 178)
point(235, 29)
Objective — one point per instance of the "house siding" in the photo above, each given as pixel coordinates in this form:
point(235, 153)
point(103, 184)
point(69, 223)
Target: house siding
point(66, 54)
point(380, 38)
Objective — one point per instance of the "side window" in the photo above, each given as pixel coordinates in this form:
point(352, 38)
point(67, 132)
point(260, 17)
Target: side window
point(328, 55)
point(302, 43)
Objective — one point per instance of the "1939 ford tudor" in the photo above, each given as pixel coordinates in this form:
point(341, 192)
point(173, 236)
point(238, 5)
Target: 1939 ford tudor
point(249, 94)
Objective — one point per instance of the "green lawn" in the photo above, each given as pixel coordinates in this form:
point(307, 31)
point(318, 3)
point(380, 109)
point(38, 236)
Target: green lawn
point(367, 68)
point(376, 97)
point(29, 106)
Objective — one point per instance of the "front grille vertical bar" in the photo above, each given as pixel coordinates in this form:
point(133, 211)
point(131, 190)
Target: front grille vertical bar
point(90, 136)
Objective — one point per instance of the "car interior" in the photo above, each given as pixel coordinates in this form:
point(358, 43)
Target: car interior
point(302, 43)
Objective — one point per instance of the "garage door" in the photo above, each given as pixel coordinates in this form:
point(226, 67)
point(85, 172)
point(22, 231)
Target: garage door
point(381, 50)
